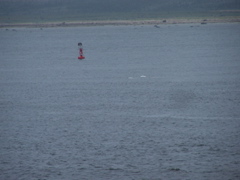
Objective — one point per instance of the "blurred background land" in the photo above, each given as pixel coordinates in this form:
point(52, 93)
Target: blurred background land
point(90, 12)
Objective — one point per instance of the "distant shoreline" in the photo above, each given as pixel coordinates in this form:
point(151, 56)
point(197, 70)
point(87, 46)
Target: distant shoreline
point(119, 22)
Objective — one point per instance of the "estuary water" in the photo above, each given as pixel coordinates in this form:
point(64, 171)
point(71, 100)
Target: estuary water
point(147, 103)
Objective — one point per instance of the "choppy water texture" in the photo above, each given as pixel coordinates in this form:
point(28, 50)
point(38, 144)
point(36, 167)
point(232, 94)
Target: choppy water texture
point(146, 103)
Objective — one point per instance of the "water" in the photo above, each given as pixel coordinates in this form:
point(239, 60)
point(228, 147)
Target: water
point(146, 103)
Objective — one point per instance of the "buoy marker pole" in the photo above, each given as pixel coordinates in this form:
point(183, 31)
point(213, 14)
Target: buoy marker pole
point(81, 56)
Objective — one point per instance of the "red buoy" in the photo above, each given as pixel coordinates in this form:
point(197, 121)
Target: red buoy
point(81, 56)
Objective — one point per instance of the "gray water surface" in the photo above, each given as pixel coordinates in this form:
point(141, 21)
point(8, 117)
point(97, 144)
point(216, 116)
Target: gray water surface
point(146, 103)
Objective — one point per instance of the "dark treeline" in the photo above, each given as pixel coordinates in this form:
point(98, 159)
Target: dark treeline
point(92, 9)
